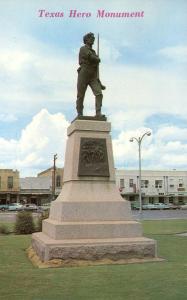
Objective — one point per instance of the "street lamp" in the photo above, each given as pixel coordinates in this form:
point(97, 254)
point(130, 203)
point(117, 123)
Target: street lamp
point(139, 141)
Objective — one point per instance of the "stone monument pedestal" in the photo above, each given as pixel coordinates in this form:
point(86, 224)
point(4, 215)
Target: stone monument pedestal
point(90, 220)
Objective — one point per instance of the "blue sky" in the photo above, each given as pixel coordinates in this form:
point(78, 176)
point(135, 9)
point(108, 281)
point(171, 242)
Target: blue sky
point(143, 64)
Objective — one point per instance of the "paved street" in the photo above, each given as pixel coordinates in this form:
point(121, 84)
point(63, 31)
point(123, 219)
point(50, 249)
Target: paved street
point(161, 214)
point(146, 215)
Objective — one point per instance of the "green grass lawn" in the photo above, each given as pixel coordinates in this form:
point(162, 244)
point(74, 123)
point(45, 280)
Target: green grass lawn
point(167, 280)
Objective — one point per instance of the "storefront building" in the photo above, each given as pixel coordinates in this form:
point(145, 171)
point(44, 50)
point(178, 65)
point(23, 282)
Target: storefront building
point(156, 186)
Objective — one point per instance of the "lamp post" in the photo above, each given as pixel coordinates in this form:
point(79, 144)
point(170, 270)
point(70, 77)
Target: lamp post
point(54, 175)
point(139, 141)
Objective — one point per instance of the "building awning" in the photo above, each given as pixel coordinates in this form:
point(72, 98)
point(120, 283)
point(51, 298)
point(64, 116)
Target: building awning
point(30, 193)
point(9, 192)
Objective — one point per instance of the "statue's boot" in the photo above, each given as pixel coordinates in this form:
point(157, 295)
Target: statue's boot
point(79, 106)
point(98, 105)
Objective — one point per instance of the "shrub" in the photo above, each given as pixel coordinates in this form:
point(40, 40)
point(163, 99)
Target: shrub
point(44, 215)
point(4, 229)
point(24, 223)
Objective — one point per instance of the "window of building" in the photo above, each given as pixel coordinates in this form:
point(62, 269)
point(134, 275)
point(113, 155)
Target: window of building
point(180, 200)
point(171, 199)
point(58, 181)
point(180, 182)
point(171, 185)
point(122, 183)
point(144, 183)
point(131, 183)
point(10, 182)
point(158, 183)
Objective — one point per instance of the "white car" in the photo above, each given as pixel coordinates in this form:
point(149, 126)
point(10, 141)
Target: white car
point(184, 206)
point(15, 207)
point(30, 207)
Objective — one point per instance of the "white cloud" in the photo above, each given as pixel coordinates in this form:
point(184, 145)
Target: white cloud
point(39, 141)
point(171, 133)
point(14, 61)
point(126, 151)
point(176, 53)
point(34, 77)
point(128, 119)
point(165, 149)
point(135, 93)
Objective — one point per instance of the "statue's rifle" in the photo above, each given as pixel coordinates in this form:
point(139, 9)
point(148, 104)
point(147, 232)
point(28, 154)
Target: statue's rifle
point(102, 86)
point(98, 56)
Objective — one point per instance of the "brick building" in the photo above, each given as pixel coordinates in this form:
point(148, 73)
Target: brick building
point(56, 178)
point(9, 186)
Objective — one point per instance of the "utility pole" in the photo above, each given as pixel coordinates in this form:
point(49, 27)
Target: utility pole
point(54, 177)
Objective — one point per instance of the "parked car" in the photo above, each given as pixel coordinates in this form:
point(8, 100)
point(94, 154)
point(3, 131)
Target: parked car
point(173, 206)
point(151, 206)
point(3, 207)
point(155, 206)
point(161, 206)
point(183, 206)
point(15, 207)
point(135, 205)
point(148, 206)
point(44, 207)
point(30, 207)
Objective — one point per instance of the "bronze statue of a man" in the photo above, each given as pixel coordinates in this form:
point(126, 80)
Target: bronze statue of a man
point(88, 74)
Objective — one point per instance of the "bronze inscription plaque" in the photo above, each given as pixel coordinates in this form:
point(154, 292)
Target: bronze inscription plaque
point(93, 158)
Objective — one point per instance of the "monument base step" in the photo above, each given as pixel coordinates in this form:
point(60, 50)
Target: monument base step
point(93, 249)
point(91, 230)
